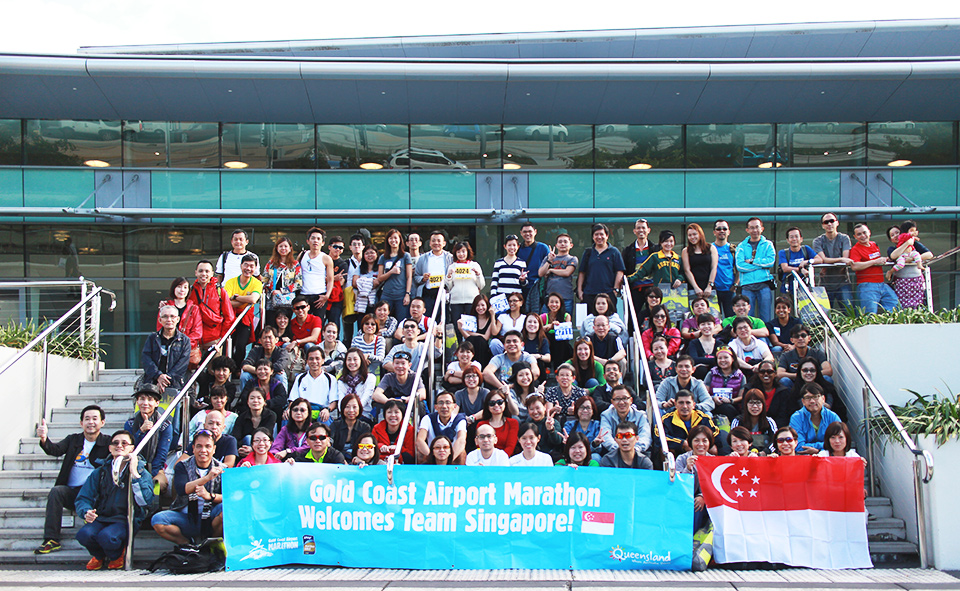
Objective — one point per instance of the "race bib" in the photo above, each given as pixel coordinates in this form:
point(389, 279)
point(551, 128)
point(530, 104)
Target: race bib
point(435, 281)
point(462, 271)
point(564, 331)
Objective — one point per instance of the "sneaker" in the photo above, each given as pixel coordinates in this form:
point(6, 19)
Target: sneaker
point(95, 563)
point(48, 547)
point(118, 562)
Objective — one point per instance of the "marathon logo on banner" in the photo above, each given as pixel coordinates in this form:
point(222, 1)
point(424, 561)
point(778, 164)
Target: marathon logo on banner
point(463, 517)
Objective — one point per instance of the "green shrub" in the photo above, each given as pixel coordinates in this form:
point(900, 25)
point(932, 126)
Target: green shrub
point(938, 416)
point(65, 344)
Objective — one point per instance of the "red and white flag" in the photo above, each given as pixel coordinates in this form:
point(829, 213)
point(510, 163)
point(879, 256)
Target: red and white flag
point(595, 522)
point(802, 511)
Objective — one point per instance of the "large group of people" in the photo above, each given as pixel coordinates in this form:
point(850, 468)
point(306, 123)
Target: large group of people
point(324, 363)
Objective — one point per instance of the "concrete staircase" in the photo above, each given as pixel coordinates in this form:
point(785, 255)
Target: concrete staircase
point(27, 477)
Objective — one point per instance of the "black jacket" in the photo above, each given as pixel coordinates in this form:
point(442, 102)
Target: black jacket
point(69, 447)
point(339, 428)
point(244, 424)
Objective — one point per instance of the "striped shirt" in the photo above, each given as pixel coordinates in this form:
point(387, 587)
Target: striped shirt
point(506, 277)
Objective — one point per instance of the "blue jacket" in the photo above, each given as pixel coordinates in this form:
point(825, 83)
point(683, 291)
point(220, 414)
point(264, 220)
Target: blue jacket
point(100, 493)
point(807, 436)
point(178, 358)
point(608, 423)
point(759, 270)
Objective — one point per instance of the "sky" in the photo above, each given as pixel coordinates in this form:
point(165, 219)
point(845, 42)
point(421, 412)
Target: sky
point(62, 27)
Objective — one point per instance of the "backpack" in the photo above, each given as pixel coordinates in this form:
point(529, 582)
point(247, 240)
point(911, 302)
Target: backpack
point(188, 559)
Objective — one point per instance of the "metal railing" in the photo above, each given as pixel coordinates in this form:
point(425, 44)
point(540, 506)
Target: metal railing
point(429, 343)
point(869, 389)
point(183, 399)
point(77, 327)
point(654, 417)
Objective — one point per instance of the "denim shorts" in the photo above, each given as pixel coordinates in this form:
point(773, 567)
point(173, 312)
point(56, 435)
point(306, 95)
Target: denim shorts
point(189, 527)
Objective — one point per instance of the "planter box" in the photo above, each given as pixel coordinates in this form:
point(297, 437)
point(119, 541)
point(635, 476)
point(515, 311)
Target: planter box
point(22, 405)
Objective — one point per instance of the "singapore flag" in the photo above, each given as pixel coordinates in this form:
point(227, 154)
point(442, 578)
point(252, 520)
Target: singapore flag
point(594, 522)
point(802, 511)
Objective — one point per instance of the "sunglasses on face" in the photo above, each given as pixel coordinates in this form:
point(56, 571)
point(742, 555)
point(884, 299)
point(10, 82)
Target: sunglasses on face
point(337, 246)
point(366, 446)
point(765, 371)
point(498, 402)
point(317, 437)
point(625, 435)
point(722, 229)
point(831, 221)
point(784, 439)
point(120, 443)
point(300, 307)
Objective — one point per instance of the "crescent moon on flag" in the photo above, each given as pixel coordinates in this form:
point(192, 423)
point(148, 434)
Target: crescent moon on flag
point(716, 477)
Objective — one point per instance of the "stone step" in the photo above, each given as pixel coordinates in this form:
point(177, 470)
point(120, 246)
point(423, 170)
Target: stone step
point(70, 415)
point(106, 402)
point(119, 375)
point(28, 497)
point(24, 479)
point(125, 387)
point(25, 540)
point(29, 517)
point(37, 461)
point(897, 554)
point(879, 506)
point(58, 431)
point(886, 529)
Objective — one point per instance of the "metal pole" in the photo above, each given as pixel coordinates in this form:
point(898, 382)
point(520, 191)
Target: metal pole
point(928, 283)
point(866, 424)
point(921, 514)
point(43, 380)
point(95, 324)
point(83, 312)
point(128, 554)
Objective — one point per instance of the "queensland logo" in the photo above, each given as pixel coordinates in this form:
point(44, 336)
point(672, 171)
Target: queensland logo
point(620, 554)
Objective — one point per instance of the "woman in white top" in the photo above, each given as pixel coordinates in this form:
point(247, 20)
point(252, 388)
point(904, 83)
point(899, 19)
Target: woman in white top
point(356, 379)
point(464, 280)
point(514, 318)
point(837, 442)
point(530, 456)
point(605, 307)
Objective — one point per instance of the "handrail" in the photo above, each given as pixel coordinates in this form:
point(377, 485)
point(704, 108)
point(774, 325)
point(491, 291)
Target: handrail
point(57, 283)
point(56, 324)
point(428, 344)
point(640, 356)
point(904, 436)
point(171, 407)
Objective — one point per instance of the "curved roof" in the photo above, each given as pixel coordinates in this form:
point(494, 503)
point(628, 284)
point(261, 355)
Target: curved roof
point(875, 71)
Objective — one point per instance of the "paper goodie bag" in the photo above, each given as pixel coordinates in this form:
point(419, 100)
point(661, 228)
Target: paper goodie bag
point(469, 322)
point(806, 311)
point(499, 303)
point(675, 301)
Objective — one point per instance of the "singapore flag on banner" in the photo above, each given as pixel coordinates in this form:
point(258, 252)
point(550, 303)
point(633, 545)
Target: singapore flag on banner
point(802, 511)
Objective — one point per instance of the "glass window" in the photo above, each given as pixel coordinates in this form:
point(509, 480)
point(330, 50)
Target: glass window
point(547, 146)
point(58, 252)
point(730, 146)
point(10, 142)
point(268, 145)
point(908, 142)
point(166, 253)
point(449, 147)
point(639, 146)
point(11, 251)
point(822, 144)
point(67, 142)
point(371, 147)
point(175, 144)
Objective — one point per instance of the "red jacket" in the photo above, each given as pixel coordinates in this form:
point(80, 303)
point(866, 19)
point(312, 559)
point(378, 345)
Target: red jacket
point(380, 433)
point(216, 313)
point(190, 323)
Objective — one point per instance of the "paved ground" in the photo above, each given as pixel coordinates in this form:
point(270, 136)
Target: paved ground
point(464, 580)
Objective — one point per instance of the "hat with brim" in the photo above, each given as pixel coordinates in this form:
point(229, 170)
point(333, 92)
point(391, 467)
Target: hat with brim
point(149, 390)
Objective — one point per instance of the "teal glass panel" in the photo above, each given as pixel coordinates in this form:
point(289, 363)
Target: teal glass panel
point(11, 191)
point(185, 190)
point(267, 190)
point(918, 143)
point(931, 186)
point(362, 191)
point(567, 190)
point(443, 190)
point(56, 188)
point(639, 189)
point(730, 189)
point(10, 142)
point(808, 188)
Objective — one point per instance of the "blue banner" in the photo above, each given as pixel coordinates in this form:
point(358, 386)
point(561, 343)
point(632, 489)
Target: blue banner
point(439, 517)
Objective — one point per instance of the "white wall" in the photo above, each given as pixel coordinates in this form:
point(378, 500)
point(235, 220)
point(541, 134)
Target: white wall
point(22, 383)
